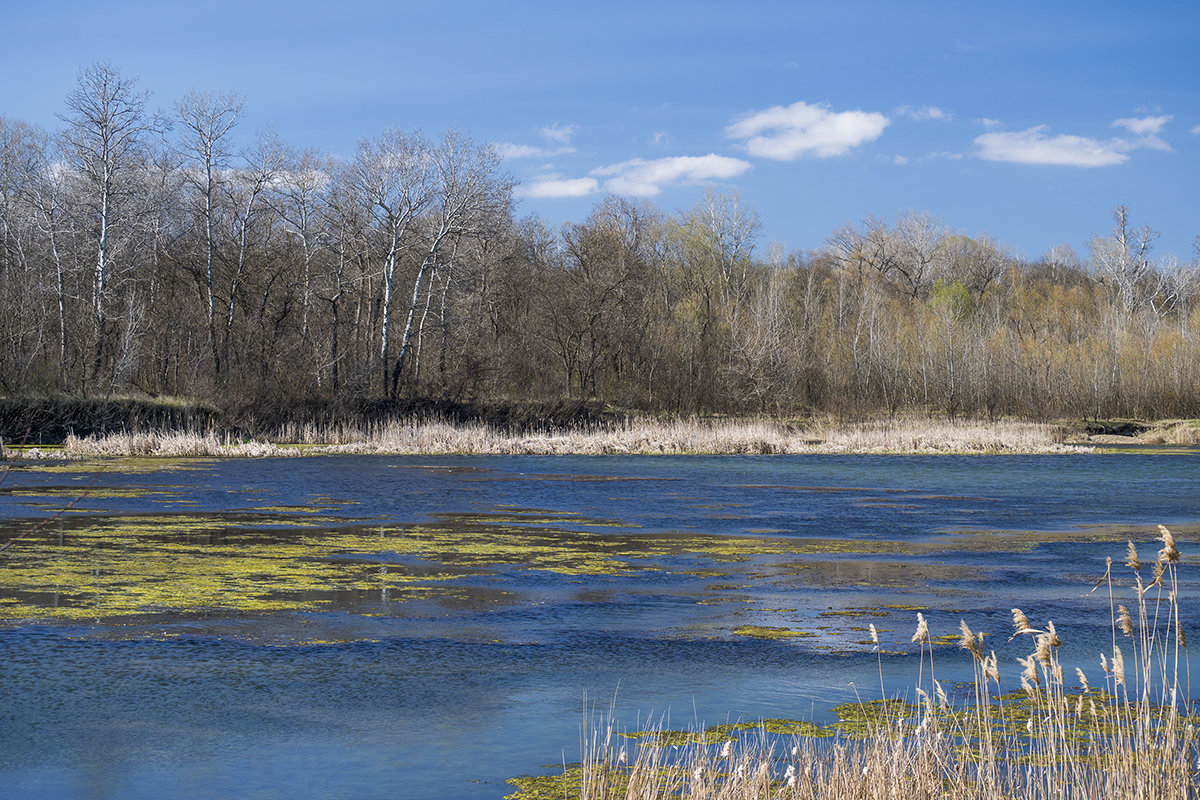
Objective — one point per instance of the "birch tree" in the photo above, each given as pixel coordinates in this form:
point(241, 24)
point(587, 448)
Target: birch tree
point(468, 193)
point(207, 121)
point(394, 179)
point(245, 196)
point(299, 197)
point(105, 144)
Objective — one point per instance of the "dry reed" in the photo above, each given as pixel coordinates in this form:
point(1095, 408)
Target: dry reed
point(688, 436)
point(633, 437)
point(167, 445)
point(1133, 739)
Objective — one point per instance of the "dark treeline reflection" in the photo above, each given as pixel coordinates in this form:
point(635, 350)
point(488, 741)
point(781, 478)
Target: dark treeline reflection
point(142, 254)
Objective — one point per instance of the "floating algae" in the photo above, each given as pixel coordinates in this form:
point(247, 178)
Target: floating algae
point(768, 632)
point(301, 558)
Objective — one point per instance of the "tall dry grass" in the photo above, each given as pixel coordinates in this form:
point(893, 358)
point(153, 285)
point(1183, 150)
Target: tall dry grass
point(637, 437)
point(171, 444)
point(686, 436)
point(940, 436)
point(1059, 738)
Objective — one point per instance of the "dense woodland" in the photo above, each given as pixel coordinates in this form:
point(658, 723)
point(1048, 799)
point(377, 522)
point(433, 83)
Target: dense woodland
point(143, 256)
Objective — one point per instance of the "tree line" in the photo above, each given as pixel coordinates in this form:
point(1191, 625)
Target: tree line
point(143, 254)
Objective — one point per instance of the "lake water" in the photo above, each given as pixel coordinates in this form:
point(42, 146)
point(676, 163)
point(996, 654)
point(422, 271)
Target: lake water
point(418, 627)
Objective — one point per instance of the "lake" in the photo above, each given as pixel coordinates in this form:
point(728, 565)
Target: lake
point(426, 627)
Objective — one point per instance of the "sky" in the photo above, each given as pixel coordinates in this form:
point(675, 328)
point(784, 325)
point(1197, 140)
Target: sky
point(1025, 121)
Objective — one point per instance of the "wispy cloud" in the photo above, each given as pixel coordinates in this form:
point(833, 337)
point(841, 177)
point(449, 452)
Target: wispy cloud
point(1143, 126)
point(922, 113)
point(646, 178)
point(1195, 130)
point(1036, 146)
point(988, 122)
point(1147, 128)
point(510, 150)
point(559, 136)
point(788, 132)
point(559, 133)
point(555, 186)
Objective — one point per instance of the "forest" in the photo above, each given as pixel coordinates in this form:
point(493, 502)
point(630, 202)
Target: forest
point(144, 255)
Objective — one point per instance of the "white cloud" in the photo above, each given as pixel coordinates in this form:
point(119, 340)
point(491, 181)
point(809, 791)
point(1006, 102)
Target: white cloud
point(559, 133)
point(644, 178)
point(987, 122)
point(1144, 126)
point(899, 160)
point(1148, 129)
point(1196, 130)
point(788, 132)
point(660, 138)
point(554, 186)
point(1033, 146)
point(923, 113)
point(510, 150)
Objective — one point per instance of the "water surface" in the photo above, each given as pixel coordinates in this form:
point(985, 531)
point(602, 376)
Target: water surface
point(423, 627)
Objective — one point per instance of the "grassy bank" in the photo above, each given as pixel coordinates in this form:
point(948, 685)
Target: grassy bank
point(645, 436)
point(1130, 735)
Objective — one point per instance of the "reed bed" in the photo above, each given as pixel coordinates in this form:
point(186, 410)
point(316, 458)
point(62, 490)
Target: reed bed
point(635, 437)
point(687, 436)
point(172, 444)
point(1132, 736)
point(940, 436)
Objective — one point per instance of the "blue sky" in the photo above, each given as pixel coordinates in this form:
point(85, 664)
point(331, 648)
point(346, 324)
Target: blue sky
point(1027, 121)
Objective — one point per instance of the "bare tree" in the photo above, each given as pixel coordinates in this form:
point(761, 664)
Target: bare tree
point(919, 236)
point(469, 191)
point(868, 247)
point(730, 230)
point(299, 197)
point(978, 263)
point(22, 160)
point(1174, 284)
point(105, 145)
point(245, 198)
point(1121, 259)
point(393, 179)
point(207, 121)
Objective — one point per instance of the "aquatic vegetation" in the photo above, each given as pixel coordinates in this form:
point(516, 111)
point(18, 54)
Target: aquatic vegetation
point(1133, 736)
point(90, 492)
point(768, 632)
point(303, 557)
